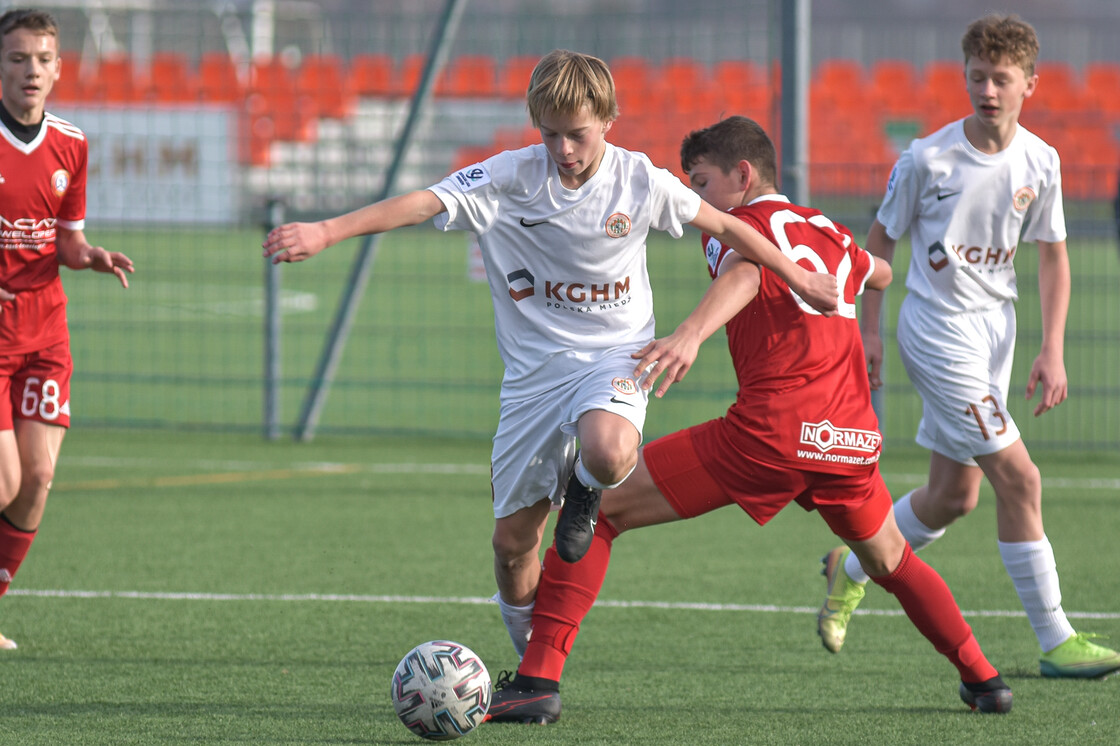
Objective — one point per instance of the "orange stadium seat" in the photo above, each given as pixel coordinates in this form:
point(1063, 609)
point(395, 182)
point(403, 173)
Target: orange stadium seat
point(945, 90)
point(633, 81)
point(371, 75)
point(469, 76)
point(321, 77)
point(270, 76)
point(218, 81)
point(840, 76)
point(410, 72)
point(71, 85)
point(898, 90)
point(744, 88)
point(839, 87)
point(513, 78)
point(632, 72)
point(170, 79)
point(1059, 89)
point(116, 81)
point(688, 86)
point(1102, 82)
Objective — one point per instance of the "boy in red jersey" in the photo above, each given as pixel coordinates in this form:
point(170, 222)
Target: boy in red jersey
point(42, 213)
point(802, 428)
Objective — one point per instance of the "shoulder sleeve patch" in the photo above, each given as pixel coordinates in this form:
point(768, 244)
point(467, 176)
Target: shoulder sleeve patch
point(471, 177)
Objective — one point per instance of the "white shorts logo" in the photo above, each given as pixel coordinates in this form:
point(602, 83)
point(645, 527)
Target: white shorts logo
point(825, 436)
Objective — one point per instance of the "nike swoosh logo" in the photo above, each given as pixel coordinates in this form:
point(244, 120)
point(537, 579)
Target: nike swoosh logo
point(946, 195)
point(531, 225)
point(616, 400)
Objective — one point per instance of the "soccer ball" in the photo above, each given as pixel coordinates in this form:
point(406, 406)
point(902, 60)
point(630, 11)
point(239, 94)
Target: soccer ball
point(441, 690)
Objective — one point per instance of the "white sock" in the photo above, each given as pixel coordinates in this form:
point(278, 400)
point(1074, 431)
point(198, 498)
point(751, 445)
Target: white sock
point(518, 621)
point(1034, 572)
point(589, 481)
point(917, 533)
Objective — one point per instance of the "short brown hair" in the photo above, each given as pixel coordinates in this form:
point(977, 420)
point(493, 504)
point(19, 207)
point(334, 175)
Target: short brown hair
point(994, 37)
point(564, 82)
point(39, 21)
point(729, 141)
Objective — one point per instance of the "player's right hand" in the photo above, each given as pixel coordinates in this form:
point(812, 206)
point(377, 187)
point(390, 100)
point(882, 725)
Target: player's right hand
point(5, 296)
point(873, 351)
point(821, 292)
point(295, 242)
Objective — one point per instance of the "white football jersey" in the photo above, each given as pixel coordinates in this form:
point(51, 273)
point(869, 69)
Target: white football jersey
point(566, 267)
point(967, 211)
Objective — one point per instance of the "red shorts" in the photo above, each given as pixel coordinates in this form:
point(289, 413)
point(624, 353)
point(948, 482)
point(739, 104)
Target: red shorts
point(853, 505)
point(36, 386)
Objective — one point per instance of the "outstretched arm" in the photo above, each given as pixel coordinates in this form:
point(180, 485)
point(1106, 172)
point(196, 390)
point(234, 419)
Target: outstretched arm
point(818, 289)
point(735, 287)
point(75, 252)
point(295, 242)
point(1054, 290)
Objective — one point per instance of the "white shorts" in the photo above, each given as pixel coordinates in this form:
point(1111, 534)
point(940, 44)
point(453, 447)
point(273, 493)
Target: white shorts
point(535, 445)
point(960, 364)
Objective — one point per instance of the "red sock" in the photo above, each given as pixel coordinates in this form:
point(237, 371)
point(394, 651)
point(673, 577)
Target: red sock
point(14, 544)
point(566, 593)
point(931, 607)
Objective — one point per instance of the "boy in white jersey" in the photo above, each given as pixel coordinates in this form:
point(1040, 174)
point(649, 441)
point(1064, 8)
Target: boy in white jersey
point(965, 193)
point(42, 208)
point(562, 226)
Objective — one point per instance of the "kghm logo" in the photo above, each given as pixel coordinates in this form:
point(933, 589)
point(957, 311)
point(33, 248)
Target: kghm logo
point(825, 436)
point(1023, 198)
point(938, 259)
point(618, 225)
point(625, 386)
point(520, 284)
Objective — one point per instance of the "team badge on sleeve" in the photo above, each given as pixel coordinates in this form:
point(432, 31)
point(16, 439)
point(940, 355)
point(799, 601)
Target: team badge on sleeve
point(471, 177)
point(1023, 198)
point(713, 251)
point(60, 181)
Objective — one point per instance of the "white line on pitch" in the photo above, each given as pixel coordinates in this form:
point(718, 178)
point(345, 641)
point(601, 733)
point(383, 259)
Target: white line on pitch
point(477, 600)
point(1082, 483)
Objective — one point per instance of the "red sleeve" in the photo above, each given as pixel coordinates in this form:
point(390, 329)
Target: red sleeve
point(73, 207)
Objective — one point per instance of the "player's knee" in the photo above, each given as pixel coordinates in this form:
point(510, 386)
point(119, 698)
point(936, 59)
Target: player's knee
point(1028, 482)
point(960, 506)
point(610, 464)
point(37, 479)
point(511, 549)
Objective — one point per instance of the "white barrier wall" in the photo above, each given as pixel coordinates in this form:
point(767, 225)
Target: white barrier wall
point(160, 164)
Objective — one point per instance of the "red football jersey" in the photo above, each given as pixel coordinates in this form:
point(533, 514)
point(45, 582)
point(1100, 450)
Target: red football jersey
point(42, 187)
point(804, 400)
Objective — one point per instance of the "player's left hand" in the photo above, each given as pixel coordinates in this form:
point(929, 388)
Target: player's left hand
point(1051, 372)
point(295, 242)
point(111, 262)
point(820, 291)
point(672, 356)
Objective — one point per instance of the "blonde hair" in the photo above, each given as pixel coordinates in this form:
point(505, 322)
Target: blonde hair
point(565, 82)
point(994, 37)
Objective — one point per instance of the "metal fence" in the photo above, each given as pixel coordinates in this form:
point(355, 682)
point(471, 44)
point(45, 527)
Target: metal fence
point(192, 138)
